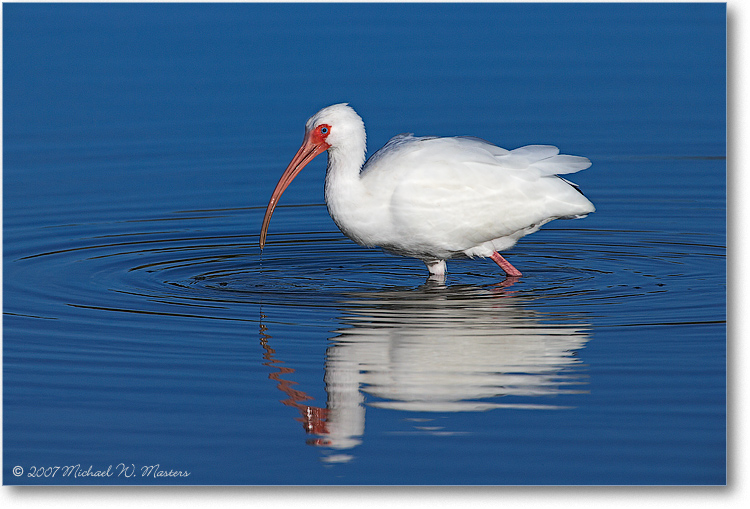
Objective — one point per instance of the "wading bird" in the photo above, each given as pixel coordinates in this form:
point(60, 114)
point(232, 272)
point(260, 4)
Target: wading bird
point(435, 198)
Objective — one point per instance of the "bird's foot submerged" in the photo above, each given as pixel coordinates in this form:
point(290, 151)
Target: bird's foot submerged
point(437, 269)
point(504, 264)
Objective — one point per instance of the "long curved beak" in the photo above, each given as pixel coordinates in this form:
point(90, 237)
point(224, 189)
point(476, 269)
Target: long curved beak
point(306, 153)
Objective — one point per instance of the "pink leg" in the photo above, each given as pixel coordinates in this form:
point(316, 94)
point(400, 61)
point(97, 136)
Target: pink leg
point(505, 265)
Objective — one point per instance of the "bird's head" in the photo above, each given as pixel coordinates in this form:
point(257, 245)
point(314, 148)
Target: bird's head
point(336, 128)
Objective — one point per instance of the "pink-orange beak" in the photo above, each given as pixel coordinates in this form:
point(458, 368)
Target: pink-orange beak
point(311, 147)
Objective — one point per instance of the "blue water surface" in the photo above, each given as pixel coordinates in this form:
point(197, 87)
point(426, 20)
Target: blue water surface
point(146, 340)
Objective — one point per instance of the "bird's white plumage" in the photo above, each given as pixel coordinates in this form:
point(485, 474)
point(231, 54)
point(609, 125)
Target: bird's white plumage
point(436, 198)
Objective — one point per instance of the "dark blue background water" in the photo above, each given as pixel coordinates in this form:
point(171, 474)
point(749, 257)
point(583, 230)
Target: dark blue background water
point(142, 327)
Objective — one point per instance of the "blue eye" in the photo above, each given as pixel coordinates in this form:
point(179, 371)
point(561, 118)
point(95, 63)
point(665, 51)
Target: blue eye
point(323, 130)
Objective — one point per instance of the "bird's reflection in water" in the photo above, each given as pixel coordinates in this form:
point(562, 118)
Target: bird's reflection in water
point(436, 349)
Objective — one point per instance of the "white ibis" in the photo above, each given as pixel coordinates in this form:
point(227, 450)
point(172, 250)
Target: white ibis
point(435, 198)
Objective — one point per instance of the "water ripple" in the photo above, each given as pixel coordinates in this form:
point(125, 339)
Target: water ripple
point(198, 265)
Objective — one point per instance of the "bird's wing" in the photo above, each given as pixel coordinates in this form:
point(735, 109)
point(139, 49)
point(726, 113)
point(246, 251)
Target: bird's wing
point(395, 148)
point(536, 159)
point(456, 193)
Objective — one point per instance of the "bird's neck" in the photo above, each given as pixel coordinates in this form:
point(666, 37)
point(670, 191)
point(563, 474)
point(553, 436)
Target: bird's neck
point(344, 190)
